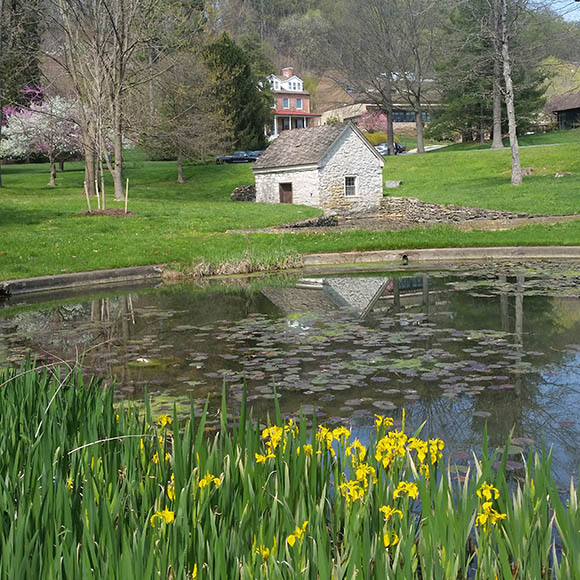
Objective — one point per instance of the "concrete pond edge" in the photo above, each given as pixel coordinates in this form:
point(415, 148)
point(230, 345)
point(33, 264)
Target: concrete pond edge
point(404, 256)
point(417, 256)
point(79, 279)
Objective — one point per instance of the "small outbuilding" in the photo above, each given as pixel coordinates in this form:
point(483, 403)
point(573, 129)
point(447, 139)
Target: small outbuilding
point(567, 109)
point(333, 167)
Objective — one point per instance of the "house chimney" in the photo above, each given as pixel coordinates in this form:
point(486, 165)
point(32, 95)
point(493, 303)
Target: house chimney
point(287, 72)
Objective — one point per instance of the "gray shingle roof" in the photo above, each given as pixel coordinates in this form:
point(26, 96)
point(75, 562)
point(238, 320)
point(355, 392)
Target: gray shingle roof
point(300, 146)
point(564, 102)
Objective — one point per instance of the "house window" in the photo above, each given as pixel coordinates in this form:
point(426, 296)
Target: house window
point(285, 103)
point(350, 186)
point(299, 103)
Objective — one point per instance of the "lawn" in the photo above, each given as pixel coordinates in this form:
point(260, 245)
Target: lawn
point(42, 233)
point(481, 178)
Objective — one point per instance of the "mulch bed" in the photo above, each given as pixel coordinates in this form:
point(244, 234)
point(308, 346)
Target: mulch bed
point(114, 212)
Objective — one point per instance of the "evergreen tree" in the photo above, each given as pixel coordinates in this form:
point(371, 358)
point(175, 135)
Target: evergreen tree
point(19, 44)
point(243, 98)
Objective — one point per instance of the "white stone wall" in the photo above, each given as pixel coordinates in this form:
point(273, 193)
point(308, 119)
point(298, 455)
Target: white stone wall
point(350, 156)
point(304, 186)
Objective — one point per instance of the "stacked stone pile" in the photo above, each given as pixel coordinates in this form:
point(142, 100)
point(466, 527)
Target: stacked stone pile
point(244, 193)
point(323, 221)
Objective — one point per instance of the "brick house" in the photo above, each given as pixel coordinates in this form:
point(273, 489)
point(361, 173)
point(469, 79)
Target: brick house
point(333, 167)
point(292, 103)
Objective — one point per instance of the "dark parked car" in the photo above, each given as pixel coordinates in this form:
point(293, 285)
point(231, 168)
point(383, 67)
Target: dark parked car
point(383, 148)
point(237, 157)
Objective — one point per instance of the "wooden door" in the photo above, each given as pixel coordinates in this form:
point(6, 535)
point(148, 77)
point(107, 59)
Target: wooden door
point(285, 193)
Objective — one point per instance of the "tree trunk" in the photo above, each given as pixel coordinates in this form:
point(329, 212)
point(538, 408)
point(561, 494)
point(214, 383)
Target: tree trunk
point(180, 167)
point(388, 105)
point(2, 27)
point(61, 165)
point(151, 95)
point(118, 150)
point(390, 129)
point(52, 161)
point(497, 142)
point(419, 124)
point(509, 98)
point(1, 120)
point(90, 170)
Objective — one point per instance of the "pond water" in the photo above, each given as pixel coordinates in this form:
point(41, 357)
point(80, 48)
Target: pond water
point(457, 349)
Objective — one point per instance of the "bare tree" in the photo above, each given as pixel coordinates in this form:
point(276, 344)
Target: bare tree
point(188, 121)
point(414, 50)
point(101, 44)
point(502, 11)
point(365, 44)
point(391, 47)
point(497, 142)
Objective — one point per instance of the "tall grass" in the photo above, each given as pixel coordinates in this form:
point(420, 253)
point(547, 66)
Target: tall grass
point(93, 491)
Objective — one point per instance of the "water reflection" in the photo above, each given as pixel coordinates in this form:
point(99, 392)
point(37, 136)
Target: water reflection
point(456, 350)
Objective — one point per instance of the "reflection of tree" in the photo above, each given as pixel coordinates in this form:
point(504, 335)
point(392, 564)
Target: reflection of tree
point(529, 408)
point(415, 313)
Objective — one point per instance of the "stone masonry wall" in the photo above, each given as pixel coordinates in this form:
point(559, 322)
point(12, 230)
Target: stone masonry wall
point(417, 211)
point(304, 186)
point(351, 157)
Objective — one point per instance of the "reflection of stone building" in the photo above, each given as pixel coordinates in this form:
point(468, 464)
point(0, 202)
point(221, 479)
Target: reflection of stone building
point(359, 295)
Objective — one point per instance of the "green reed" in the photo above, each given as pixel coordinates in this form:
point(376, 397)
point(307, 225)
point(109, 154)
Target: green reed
point(90, 489)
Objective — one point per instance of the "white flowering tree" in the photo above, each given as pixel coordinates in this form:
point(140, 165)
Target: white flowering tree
point(49, 127)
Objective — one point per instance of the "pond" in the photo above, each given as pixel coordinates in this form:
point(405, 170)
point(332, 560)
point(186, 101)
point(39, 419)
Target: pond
point(495, 344)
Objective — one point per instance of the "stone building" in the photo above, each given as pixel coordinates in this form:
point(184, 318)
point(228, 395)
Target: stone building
point(333, 167)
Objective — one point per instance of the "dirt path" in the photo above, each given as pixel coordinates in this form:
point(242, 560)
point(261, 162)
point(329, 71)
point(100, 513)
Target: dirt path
point(400, 213)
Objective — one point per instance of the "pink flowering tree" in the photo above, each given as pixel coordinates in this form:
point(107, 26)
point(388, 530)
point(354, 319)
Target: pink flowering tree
point(372, 122)
point(47, 127)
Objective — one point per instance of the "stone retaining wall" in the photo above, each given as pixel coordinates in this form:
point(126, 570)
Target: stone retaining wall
point(417, 211)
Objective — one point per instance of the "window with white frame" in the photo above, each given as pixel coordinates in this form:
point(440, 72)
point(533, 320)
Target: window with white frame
point(350, 186)
point(285, 103)
point(299, 103)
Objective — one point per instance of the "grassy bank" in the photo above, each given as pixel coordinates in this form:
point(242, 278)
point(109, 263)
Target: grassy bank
point(41, 231)
point(91, 490)
point(460, 175)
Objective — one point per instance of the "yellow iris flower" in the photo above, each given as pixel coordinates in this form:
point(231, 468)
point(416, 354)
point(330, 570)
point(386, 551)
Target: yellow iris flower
point(407, 488)
point(390, 539)
point(164, 420)
point(486, 491)
point(209, 478)
point(298, 534)
point(382, 421)
point(167, 516)
point(488, 516)
point(389, 512)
